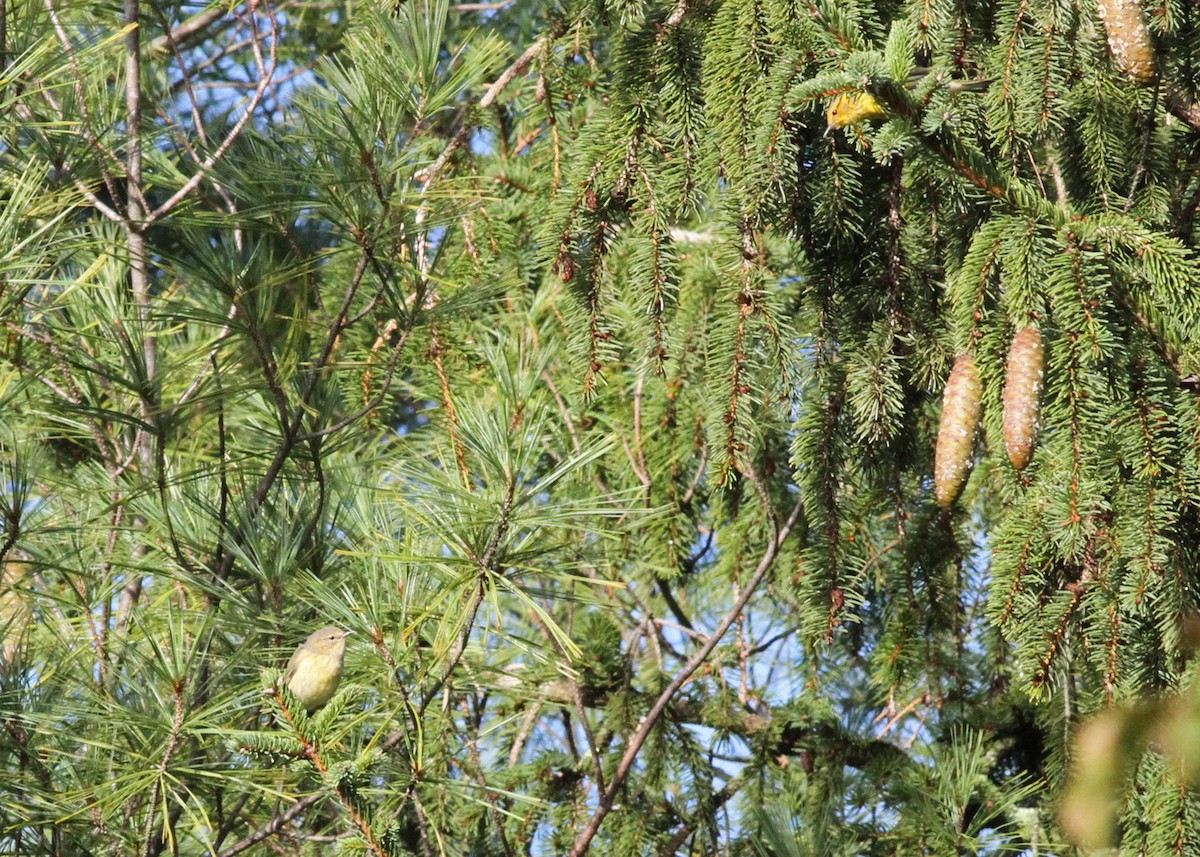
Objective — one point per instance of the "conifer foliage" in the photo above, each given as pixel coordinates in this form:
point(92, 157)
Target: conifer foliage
point(699, 471)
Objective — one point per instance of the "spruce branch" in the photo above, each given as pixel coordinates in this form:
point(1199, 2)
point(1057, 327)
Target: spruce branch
point(312, 753)
point(1022, 567)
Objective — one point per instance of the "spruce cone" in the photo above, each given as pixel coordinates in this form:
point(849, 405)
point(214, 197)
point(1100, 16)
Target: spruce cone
point(956, 433)
point(1129, 39)
point(1022, 383)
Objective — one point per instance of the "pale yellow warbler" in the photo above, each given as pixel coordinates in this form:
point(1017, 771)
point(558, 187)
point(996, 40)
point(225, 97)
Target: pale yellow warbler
point(315, 670)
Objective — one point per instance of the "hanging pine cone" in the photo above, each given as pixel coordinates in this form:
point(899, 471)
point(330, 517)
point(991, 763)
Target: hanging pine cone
point(1129, 39)
point(1022, 384)
point(956, 433)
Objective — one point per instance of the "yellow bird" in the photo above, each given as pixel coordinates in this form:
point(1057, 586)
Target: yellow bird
point(851, 108)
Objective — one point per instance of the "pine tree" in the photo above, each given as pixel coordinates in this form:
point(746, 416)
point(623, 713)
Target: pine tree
point(578, 360)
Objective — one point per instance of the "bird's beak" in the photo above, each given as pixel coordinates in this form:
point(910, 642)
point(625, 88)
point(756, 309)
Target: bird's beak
point(828, 129)
point(346, 634)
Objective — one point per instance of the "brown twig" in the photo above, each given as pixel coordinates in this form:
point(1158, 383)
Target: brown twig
point(188, 29)
point(652, 717)
point(266, 70)
point(1182, 105)
point(479, 7)
point(436, 350)
point(168, 752)
point(431, 173)
point(273, 826)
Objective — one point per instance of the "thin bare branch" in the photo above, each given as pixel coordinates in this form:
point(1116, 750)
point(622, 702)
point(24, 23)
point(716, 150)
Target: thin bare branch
point(266, 70)
point(681, 678)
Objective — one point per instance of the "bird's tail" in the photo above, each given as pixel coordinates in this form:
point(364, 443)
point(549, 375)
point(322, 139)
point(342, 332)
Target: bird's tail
point(956, 85)
point(970, 85)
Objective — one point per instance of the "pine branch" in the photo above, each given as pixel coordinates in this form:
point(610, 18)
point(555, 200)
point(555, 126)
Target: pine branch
point(484, 562)
point(429, 175)
point(272, 827)
point(701, 816)
point(169, 751)
point(608, 798)
point(195, 27)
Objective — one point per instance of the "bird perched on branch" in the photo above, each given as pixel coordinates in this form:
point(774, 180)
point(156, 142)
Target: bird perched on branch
point(851, 108)
point(315, 669)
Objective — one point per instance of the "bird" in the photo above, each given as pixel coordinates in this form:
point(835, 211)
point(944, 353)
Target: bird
point(315, 669)
point(851, 108)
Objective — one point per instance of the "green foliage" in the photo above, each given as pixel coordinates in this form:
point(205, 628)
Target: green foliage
point(565, 355)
